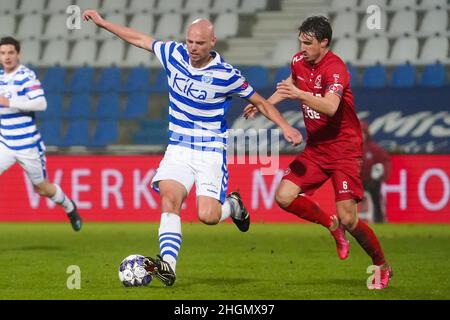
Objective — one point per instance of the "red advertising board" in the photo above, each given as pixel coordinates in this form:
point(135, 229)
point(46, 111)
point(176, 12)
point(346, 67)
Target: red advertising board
point(116, 188)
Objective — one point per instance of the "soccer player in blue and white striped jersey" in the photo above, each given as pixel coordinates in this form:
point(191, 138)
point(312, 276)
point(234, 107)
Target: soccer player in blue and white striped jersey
point(201, 85)
point(21, 95)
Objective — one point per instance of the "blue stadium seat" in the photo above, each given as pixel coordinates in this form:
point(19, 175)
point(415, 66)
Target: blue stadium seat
point(136, 106)
point(160, 84)
point(374, 77)
point(281, 74)
point(257, 76)
point(152, 132)
point(107, 132)
point(108, 106)
point(404, 76)
point(51, 132)
point(54, 80)
point(109, 80)
point(79, 107)
point(353, 75)
point(77, 133)
point(54, 107)
point(82, 80)
point(138, 80)
point(433, 75)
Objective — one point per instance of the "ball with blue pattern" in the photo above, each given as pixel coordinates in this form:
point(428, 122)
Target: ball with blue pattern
point(132, 272)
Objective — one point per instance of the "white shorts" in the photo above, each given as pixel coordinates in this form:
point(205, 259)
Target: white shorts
point(207, 169)
point(31, 160)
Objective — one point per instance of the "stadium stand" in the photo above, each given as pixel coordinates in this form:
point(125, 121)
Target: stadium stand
point(31, 6)
point(374, 77)
point(226, 25)
point(347, 49)
point(404, 76)
point(51, 132)
point(409, 48)
point(433, 75)
point(54, 52)
point(136, 106)
point(77, 134)
point(250, 6)
point(195, 6)
point(168, 6)
point(30, 27)
point(57, 6)
point(106, 132)
point(8, 7)
point(54, 81)
point(138, 80)
point(109, 80)
point(169, 26)
point(82, 80)
point(108, 107)
point(79, 107)
point(54, 107)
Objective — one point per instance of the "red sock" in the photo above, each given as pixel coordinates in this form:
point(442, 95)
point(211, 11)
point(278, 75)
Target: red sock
point(369, 242)
point(305, 208)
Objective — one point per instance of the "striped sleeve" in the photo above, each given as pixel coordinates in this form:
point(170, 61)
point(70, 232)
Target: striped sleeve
point(31, 87)
point(163, 51)
point(241, 87)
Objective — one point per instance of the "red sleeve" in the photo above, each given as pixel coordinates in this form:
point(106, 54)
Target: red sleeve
point(337, 78)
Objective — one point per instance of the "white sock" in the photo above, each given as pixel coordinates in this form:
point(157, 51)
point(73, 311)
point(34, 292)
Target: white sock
point(61, 199)
point(227, 209)
point(230, 208)
point(170, 238)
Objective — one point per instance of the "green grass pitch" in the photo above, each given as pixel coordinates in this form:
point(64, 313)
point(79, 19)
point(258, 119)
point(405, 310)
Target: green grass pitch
point(270, 262)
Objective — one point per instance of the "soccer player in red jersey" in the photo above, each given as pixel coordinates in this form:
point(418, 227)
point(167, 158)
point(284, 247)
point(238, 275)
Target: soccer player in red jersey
point(321, 82)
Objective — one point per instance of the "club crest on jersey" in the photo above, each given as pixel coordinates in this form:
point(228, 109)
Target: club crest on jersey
point(336, 77)
point(318, 82)
point(207, 78)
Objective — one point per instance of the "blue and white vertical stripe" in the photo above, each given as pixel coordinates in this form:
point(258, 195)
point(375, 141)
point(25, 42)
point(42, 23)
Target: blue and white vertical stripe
point(199, 98)
point(169, 244)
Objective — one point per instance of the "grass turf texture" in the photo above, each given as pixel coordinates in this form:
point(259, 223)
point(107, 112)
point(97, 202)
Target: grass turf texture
point(270, 262)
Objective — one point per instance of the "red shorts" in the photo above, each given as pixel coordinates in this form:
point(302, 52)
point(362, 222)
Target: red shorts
point(309, 175)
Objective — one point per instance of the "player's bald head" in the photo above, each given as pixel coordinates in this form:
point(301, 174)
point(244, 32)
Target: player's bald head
point(202, 27)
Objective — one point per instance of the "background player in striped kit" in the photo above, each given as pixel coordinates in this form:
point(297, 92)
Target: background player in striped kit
point(201, 84)
point(21, 95)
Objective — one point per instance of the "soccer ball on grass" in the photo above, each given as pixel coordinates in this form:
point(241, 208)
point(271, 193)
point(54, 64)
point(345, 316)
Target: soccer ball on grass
point(132, 271)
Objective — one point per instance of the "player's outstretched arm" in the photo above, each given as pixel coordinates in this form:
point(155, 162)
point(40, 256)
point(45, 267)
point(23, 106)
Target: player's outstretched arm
point(291, 134)
point(38, 104)
point(250, 110)
point(327, 105)
point(131, 36)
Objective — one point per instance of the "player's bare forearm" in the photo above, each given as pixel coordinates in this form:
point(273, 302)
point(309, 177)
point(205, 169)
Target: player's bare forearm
point(327, 105)
point(129, 35)
point(251, 110)
point(268, 110)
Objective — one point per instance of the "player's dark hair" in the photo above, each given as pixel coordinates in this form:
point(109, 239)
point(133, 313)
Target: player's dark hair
point(317, 26)
point(10, 40)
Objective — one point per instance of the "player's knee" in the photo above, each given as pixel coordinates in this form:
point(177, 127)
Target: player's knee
point(283, 199)
point(349, 220)
point(208, 217)
point(170, 204)
point(42, 191)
